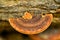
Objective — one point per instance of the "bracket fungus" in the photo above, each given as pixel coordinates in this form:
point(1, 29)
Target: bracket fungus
point(55, 36)
point(31, 24)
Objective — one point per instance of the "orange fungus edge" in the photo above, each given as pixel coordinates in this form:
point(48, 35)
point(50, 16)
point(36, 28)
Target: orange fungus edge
point(27, 16)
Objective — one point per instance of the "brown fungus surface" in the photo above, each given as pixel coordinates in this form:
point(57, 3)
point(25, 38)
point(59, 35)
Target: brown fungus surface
point(33, 26)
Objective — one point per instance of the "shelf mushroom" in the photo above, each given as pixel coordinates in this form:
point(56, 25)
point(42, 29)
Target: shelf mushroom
point(31, 24)
point(55, 36)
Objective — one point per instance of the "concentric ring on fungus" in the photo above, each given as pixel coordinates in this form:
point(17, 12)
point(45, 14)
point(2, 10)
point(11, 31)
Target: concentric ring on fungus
point(33, 26)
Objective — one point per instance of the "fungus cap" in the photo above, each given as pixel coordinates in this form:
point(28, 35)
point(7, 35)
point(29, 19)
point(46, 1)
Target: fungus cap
point(33, 26)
